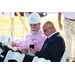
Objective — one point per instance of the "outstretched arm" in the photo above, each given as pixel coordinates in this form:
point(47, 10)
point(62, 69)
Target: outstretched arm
point(59, 20)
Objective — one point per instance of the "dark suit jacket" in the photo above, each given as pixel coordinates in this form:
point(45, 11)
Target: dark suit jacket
point(53, 48)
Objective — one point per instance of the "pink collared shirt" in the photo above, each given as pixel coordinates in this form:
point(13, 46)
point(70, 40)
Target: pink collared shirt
point(36, 39)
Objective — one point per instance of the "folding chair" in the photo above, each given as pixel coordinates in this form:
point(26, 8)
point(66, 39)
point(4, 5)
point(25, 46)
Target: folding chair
point(1, 51)
point(36, 59)
point(7, 40)
point(14, 56)
point(64, 56)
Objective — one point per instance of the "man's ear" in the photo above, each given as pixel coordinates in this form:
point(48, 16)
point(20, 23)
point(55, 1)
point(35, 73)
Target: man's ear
point(39, 23)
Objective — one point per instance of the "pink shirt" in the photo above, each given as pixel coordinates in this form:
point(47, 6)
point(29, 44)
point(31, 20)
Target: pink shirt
point(36, 39)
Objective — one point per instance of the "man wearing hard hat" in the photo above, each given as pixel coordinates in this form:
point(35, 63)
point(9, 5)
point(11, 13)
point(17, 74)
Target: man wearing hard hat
point(35, 37)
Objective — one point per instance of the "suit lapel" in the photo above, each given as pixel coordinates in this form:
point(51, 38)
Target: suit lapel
point(45, 44)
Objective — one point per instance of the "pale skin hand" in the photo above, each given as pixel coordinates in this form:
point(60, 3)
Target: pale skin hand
point(59, 20)
point(24, 50)
point(32, 50)
point(13, 44)
point(60, 26)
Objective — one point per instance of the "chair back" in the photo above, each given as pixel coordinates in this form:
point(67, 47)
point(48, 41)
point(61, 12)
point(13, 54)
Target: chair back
point(36, 59)
point(7, 40)
point(64, 56)
point(14, 56)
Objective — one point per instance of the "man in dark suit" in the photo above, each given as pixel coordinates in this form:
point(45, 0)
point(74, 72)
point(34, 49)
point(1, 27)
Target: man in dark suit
point(53, 47)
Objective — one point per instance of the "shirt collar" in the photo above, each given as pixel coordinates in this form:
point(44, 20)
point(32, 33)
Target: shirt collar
point(52, 34)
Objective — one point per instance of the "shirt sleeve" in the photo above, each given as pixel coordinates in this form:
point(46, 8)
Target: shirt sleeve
point(22, 44)
point(18, 43)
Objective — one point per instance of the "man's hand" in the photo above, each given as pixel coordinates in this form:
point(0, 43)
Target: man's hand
point(13, 44)
point(24, 51)
point(32, 50)
point(61, 27)
point(59, 20)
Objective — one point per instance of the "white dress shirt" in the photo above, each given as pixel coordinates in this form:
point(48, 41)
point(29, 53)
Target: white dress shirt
point(52, 34)
point(69, 15)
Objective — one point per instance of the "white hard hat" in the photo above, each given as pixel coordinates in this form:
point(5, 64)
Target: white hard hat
point(34, 18)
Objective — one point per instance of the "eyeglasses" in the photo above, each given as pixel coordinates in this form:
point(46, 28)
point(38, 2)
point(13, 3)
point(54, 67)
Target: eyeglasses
point(47, 29)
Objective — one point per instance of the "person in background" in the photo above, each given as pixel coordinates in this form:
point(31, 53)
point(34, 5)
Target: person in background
point(35, 37)
point(69, 32)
